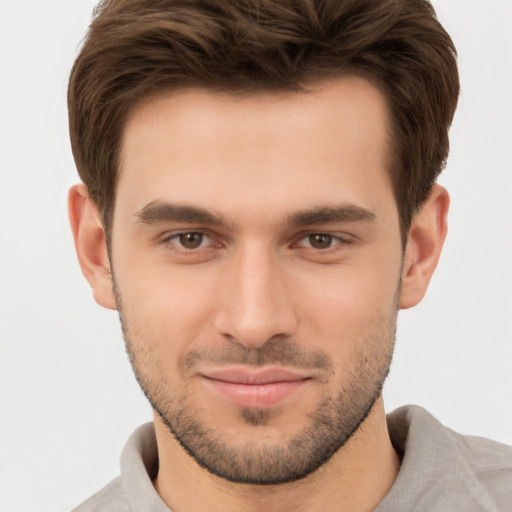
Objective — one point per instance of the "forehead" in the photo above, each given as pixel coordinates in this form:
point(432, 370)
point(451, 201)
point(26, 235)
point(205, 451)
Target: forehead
point(274, 150)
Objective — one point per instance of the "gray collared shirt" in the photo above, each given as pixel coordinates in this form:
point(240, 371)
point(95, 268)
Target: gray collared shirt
point(441, 471)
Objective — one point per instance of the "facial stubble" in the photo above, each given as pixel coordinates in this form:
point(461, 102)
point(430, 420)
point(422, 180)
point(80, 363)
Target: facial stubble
point(327, 429)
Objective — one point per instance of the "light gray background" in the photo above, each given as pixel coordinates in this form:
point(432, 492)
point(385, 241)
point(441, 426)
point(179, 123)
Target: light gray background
point(68, 397)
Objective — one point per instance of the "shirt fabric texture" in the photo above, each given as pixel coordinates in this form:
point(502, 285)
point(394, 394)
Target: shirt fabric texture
point(441, 471)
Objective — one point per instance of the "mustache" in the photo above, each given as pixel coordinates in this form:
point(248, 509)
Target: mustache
point(275, 351)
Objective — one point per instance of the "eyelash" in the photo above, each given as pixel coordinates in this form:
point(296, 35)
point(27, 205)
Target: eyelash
point(177, 245)
point(169, 240)
point(339, 241)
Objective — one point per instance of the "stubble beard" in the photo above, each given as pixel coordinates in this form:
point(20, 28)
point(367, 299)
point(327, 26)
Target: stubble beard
point(328, 428)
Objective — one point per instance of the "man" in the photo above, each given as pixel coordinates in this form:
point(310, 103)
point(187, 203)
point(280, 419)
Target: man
point(259, 200)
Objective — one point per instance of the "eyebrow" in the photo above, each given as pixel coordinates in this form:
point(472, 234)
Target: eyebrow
point(159, 211)
point(331, 214)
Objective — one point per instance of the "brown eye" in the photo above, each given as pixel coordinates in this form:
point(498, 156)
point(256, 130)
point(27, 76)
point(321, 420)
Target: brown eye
point(191, 240)
point(320, 241)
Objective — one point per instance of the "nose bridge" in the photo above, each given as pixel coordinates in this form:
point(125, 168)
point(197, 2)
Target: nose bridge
point(255, 304)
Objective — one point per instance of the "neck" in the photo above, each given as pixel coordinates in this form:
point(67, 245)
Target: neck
point(357, 477)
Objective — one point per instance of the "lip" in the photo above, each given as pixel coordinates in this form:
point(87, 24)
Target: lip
point(255, 389)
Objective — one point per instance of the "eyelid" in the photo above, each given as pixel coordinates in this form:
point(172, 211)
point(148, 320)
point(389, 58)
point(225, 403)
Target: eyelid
point(342, 238)
point(168, 237)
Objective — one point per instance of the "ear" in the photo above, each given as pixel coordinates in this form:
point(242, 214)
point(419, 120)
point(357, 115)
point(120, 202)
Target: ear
point(425, 241)
point(90, 245)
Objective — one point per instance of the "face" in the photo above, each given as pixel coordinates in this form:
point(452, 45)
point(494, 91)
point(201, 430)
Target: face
point(256, 256)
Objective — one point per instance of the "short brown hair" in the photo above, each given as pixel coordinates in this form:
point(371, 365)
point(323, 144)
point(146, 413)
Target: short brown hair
point(135, 48)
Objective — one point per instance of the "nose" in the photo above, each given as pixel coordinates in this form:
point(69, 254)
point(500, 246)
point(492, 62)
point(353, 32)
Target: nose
point(255, 304)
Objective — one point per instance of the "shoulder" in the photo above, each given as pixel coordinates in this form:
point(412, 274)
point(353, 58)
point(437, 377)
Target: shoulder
point(133, 490)
point(442, 468)
point(488, 462)
point(109, 499)
point(411, 423)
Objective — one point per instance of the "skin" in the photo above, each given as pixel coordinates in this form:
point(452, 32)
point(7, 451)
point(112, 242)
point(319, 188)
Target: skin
point(259, 279)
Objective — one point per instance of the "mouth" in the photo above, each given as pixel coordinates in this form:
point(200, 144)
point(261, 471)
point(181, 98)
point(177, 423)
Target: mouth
point(255, 389)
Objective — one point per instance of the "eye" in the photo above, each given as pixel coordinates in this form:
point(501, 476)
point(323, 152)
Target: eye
point(320, 241)
point(190, 240)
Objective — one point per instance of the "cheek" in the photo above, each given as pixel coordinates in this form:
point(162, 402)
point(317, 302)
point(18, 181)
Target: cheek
point(346, 305)
point(350, 291)
point(166, 311)
point(159, 329)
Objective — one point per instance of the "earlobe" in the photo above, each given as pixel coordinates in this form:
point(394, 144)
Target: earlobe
point(425, 242)
point(90, 245)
